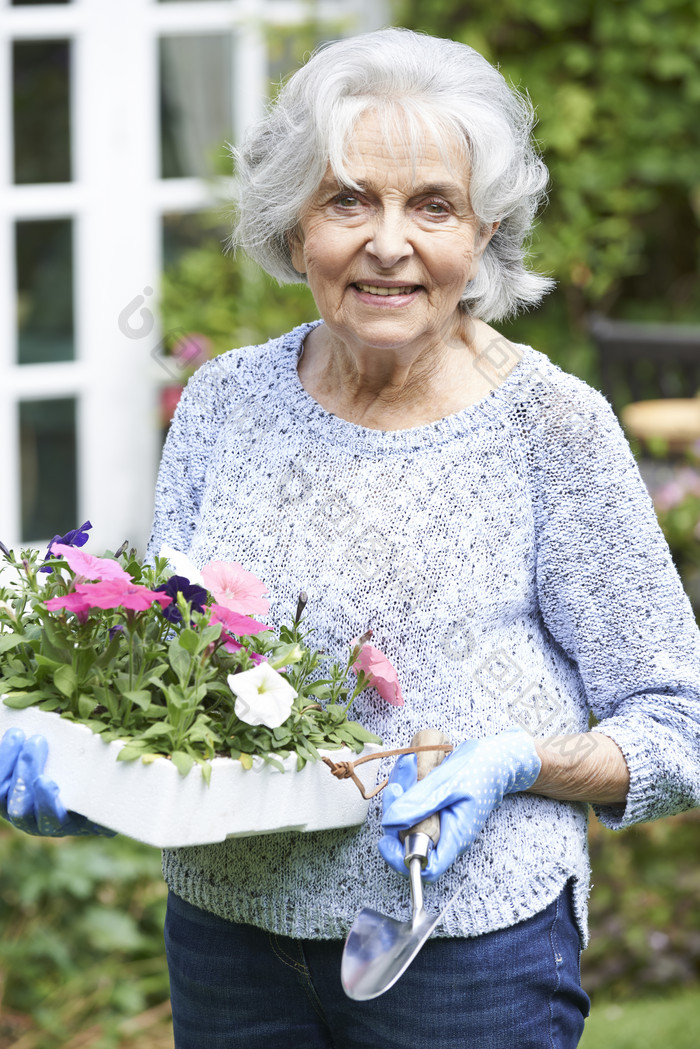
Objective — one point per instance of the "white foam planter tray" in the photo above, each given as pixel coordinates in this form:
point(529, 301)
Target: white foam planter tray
point(155, 804)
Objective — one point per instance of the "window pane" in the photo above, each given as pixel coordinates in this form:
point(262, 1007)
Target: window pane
point(44, 254)
point(49, 468)
point(195, 105)
point(41, 108)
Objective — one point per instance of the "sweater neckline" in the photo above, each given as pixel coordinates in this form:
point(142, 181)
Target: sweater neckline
point(329, 427)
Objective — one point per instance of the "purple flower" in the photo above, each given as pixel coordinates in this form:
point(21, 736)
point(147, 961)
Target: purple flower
point(178, 584)
point(76, 537)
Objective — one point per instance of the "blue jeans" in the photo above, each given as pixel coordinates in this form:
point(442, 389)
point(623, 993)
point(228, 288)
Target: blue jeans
point(237, 986)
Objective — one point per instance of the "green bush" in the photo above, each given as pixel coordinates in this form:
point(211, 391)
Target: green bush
point(645, 921)
point(82, 941)
point(229, 300)
point(617, 89)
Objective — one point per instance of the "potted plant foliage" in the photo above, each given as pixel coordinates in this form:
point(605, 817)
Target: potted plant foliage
point(172, 714)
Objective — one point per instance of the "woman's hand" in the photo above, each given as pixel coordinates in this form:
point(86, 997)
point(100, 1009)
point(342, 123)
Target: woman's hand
point(28, 799)
point(465, 788)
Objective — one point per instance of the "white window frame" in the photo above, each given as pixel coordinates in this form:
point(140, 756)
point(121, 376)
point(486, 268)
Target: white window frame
point(116, 201)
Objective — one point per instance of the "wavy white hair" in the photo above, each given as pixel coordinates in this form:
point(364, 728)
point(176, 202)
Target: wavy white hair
point(439, 87)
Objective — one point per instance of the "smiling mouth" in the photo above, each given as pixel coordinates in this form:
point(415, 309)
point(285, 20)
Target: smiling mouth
point(374, 289)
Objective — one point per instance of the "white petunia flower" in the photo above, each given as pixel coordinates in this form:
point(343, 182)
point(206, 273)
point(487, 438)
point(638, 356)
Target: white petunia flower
point(263, 697)
point(181, 564)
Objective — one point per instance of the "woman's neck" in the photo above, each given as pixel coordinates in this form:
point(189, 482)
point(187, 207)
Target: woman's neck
point(385, 390)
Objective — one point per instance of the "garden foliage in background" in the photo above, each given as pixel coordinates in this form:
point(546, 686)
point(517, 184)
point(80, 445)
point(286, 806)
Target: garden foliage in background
point(81, 948)
point(616, 86)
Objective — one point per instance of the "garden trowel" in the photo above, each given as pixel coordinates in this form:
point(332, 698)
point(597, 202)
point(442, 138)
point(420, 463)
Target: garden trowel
point(379, 949)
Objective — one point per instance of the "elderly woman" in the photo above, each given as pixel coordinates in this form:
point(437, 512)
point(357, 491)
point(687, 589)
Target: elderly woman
point(417, 473)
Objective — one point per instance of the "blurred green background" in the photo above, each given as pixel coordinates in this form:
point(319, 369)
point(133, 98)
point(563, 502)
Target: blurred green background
point(617, 89)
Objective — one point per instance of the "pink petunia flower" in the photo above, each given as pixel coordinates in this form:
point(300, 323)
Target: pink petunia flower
point(117, 594)
point(381, 673)
point(234, 588)
point(89, 567)
point(72, 603)
point(234, 622)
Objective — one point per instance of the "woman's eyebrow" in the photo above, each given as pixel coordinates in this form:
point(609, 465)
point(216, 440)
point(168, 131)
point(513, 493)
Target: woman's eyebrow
point(441, 189)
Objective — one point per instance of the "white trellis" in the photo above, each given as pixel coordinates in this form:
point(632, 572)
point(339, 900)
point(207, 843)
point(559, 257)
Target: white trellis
point(116, 201)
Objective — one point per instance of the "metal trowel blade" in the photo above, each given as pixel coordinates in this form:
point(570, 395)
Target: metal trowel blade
point(379, 949)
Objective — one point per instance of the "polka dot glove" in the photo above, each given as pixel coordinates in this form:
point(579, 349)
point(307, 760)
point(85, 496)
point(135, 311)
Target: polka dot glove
point(29, 800)
point(464, 788)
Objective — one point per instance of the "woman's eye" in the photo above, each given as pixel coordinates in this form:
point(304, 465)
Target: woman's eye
point(347, 200)
point(435, 207)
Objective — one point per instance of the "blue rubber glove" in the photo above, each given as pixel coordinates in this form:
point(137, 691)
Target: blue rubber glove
point(465, 788)
point(28, 799)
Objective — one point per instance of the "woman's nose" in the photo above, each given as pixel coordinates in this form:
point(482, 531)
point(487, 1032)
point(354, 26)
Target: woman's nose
point(390, 241)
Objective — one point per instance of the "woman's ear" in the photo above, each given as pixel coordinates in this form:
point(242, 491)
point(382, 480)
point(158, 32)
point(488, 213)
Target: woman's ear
point(480, 244)
point(485, 234)
point(295, 240)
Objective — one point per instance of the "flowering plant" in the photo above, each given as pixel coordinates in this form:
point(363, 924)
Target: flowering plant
point(170, 661)
point(677, 505)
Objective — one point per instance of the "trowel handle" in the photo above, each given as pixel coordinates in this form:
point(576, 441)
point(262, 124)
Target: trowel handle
point(427, 760)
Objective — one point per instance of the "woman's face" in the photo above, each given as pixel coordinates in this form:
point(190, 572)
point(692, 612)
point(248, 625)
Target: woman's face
point(388, 264)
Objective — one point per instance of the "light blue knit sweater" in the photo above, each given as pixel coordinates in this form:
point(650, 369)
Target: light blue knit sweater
point(510, 564)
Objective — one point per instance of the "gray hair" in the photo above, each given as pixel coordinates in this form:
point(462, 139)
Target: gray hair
point(436, 84)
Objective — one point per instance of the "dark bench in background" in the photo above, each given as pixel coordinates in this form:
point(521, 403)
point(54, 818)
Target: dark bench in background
point(642, 362)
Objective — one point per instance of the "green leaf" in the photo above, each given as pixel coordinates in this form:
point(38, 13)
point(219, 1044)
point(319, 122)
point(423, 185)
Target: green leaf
point(183, 762)
point(176, 696)
point(189, 640)
point(155, 681)
point(18, 681)
point(22, 700)
point(180, 660)
point(45, 661)
point(140, 696)
point(86, 705)
point(51, 703)
point(286, 655)
point(202, 732)
point(129, 753)
point(158, 729)
point(8, 641)
point(98, 727)
point(65, 680)
point(110, 652)
point(48, 626)
point(361, 734)
point(210, 633)
point(270, 760)
point(320, 690)
point(307, 750)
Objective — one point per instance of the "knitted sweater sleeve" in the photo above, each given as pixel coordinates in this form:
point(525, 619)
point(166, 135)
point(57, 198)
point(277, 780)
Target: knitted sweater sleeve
point(613, 601)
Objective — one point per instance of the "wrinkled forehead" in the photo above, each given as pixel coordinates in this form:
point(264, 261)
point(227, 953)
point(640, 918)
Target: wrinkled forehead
point(402, 135)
